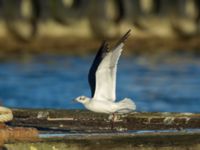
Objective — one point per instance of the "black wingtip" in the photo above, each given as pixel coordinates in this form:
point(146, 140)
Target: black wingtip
point(104, 46)
point(123, 38)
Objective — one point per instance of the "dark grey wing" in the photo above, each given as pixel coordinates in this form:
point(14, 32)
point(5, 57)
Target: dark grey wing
point(98, 58)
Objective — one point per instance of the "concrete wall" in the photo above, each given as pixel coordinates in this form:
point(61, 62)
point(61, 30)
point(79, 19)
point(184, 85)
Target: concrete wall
point(28, 19)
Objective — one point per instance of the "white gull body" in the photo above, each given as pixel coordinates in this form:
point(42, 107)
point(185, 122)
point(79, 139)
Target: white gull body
point(102, 79)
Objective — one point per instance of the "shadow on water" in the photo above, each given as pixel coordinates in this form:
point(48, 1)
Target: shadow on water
point(135, 132)
point(169, 84)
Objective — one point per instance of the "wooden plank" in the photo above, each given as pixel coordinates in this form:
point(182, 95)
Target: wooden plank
point(82, 120)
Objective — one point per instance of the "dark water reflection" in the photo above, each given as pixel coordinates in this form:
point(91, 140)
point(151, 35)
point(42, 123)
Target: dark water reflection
point(170, 84)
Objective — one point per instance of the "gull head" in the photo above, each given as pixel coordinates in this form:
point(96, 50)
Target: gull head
point(82, 99)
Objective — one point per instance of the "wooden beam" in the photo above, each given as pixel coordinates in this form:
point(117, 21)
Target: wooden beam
point(82, 120)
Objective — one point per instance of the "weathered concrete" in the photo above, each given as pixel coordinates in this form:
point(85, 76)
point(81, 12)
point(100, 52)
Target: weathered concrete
point(26, 28)
point(161, 141)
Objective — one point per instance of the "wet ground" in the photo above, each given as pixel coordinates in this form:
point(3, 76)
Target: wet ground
point(168, 83)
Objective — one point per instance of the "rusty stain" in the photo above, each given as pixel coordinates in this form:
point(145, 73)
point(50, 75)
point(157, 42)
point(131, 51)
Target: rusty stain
point(2, 126)
point(18, 134)
point(3, 137)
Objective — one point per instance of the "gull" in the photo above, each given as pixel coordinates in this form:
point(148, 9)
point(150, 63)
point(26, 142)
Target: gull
point(102, 81)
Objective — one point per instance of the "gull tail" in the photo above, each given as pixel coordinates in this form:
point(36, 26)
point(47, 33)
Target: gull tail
point(126, 106)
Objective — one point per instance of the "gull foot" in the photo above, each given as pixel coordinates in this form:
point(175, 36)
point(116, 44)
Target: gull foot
point(113, 118)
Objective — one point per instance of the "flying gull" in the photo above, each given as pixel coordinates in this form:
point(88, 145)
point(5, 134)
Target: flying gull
point(102, 80)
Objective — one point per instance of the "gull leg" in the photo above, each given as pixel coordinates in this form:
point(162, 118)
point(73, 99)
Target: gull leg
point(112, 120)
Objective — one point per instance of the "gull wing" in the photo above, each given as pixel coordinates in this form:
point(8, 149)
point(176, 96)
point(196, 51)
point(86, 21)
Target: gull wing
point(98, 58)
point(105, 88)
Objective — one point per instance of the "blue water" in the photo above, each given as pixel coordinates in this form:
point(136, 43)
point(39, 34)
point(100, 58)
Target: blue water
point(164, 84)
